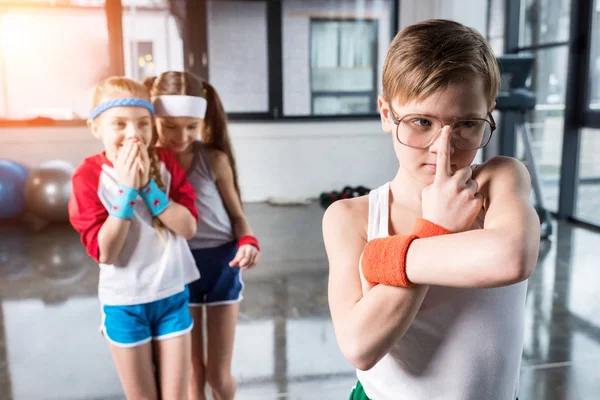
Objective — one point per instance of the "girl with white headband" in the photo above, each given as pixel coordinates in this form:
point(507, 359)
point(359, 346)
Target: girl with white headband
point(191, 122)
point(134, 208)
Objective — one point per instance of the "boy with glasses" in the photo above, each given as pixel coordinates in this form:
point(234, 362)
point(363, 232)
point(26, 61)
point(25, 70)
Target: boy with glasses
point(428, 273)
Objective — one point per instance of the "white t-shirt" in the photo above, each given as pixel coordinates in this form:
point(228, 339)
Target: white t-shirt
point(149, 267)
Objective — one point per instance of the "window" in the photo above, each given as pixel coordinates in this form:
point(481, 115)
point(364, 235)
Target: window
point(151, 41)
point(544, 31)
point(547, 120)
point(237, 54)
point(544, 21)
point(496, 14)
point(144, 57)
point(333, 54)
point(343, 66)
point(588, 192)
point(594, 94)
point(51, 57)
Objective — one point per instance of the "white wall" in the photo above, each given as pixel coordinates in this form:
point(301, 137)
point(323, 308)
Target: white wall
point(469, 12)
point(472, 13)
point(303, 159)
point(288, 160)
point(237, 54)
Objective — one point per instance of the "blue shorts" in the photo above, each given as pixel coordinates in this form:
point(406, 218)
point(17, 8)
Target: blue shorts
point(219, 283)
point(134, 325)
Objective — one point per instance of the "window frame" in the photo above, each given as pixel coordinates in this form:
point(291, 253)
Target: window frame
point(577, 114)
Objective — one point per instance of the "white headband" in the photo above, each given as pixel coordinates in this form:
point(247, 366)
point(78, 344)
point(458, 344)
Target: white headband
point(180, 106)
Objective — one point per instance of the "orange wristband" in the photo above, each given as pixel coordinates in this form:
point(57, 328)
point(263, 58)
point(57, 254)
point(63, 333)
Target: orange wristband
point(384, 259)
point(424, 228)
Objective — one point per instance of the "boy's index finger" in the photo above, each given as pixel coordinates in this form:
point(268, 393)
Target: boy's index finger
point(442, 168)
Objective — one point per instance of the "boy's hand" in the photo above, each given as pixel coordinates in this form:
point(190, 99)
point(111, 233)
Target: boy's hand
point(452, 201)
point(126, 165)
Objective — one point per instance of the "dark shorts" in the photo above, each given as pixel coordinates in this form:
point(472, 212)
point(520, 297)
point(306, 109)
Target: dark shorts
point(219, 283)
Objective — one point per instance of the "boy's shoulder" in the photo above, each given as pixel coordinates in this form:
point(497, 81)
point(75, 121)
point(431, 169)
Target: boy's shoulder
point(500, 174)
point(348, 213)
point(499, 167)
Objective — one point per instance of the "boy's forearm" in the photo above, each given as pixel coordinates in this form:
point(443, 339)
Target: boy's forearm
point(478, 258)
point(377, 321)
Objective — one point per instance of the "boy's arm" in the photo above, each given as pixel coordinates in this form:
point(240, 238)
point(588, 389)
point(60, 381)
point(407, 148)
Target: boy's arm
point(503, 253)
point(366, 326)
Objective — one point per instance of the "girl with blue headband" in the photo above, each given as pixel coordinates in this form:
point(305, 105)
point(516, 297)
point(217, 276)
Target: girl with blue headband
point(134, 208)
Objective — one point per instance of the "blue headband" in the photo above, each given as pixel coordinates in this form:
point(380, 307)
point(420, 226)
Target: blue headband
point(121, 103)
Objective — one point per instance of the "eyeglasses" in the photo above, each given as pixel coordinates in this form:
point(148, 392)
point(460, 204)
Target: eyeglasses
point(420, 131)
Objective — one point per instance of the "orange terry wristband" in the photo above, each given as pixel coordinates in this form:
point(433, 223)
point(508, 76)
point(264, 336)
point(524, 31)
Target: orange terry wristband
point(384, 259)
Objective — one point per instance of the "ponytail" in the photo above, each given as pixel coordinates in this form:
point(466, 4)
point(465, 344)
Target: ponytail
point(157, 176)
point(215, 133)
point(149, 83)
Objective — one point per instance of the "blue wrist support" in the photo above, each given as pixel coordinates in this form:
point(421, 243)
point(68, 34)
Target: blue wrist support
point(124, 203)
point(156, 200)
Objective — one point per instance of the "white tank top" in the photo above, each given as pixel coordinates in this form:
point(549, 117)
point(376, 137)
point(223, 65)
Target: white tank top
point(464, 344)
point(214, 226)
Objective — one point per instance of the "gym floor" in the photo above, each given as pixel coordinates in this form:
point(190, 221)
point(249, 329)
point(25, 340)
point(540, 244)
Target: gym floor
point(285, 348)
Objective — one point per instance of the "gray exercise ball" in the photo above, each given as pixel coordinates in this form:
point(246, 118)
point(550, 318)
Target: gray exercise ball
point(48, 189)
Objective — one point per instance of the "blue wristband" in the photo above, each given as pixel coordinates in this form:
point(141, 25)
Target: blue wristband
point(156, 200)
point(124, 203)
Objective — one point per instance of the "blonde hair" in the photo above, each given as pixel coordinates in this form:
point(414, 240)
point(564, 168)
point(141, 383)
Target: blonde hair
point(426, 57)
point(118, 86)
point(214, 134)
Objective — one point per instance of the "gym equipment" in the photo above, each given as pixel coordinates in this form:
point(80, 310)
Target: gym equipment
point(48, 189)
point(517, 99)
point(348, 192)
point(12, 185)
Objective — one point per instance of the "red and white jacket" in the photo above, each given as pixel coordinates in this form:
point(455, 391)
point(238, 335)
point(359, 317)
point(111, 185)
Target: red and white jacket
point(148, 268)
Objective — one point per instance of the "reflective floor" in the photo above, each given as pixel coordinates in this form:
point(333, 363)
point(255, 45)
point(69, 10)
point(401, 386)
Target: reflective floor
point(285, 348)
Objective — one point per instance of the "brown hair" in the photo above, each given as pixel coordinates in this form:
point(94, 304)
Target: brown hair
point(214, 133)
point(426, 57)
point(120, 87)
